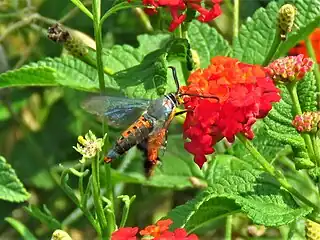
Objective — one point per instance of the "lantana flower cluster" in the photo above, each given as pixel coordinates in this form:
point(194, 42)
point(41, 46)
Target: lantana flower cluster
point(245, 93)
point(289, 69)
point(307, 122)
point(178, 9)
point(158, 231)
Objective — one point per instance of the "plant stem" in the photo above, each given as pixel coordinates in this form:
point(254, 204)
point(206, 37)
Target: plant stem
point(316, 69)
point(98, 21)
point(97, 197)
point(236, 18)
point(228, 233)
point(109, 195)
point(275, 173)
point(144, 19)
point(292, 89)
point(96, 9)
point(273, 49)
point(83, 8)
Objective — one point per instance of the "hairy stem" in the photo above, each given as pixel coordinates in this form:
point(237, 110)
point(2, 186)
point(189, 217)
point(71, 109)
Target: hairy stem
point(292, 89)
point(83, 8)
point(228, 232)
point(236, 18)
point(97, 197)
point(275, 173)
point(273, 49)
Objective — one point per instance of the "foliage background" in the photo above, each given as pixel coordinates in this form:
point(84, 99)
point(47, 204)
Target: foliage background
point(39, 126)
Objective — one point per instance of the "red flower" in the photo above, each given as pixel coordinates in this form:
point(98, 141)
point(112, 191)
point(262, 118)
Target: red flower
point(245, 93)
point(157, 229)
point(301, 47)
point(178, 234)
point(178, 10)
point(127, 233)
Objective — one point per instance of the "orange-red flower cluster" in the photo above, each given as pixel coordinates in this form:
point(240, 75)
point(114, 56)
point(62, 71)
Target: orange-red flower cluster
point(178, 9)
point(159, 231)
point(301, 47)
point(245, 93)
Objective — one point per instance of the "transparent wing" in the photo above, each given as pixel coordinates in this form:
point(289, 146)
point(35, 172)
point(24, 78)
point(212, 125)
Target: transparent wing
point(116, 111)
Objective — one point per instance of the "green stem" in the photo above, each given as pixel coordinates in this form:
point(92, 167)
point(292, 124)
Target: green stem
point(275, 173)
point(96, 9)
point(83, 8)
point(316, 69)
point(109, 195)
point(97, 197)
point(228, 233)
point(292, 89)
point(236, 18)
point(316, 148)
point(273, 49)
point(144, 19)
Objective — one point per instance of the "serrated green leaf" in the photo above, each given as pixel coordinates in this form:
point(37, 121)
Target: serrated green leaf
point(65, 71)
point(11, 189)
point(307, 20)
point(175, 169)
point(254, 192)
point(207, 42)
point(306, 90)
point(256, 35)
point(21, 229)
point(44, 216)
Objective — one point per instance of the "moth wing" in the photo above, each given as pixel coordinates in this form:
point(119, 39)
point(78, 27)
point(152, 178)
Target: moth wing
point(117, 111)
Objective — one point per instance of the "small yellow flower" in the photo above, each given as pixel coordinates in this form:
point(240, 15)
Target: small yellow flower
point(89, 145)
point(60, 235)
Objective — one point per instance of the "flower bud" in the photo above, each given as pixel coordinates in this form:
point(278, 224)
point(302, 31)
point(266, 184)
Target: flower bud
point(287, 14)
point(307, 122)
point(74, 45)
point(289, 69)
point(312, 230)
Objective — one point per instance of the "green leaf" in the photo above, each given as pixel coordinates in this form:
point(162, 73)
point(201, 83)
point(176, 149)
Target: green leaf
point(306, 91)
point(307, 20)
point(253, 192)
point(44, 216)
point(175, 170)
point(21, 228)
point(207, 42)
point(65, 71)
point(256, 35)
point(11, 189)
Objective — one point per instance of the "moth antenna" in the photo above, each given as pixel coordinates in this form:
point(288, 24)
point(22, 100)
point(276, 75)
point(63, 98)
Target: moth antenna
point(198, 95)
point(175, 78)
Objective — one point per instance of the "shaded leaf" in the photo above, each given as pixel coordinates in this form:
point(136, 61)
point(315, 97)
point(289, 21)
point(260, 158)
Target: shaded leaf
point(11, 189)
point(44, 216)
point(21, 229)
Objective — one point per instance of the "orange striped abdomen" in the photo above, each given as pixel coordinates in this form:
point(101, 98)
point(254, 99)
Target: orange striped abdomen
point(134, 135)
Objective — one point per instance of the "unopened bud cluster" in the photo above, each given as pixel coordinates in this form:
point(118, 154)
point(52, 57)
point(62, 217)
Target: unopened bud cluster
point(74, 45)
point(287, 14)
point(289, 69)
point(312, 230)
point(307, 122)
